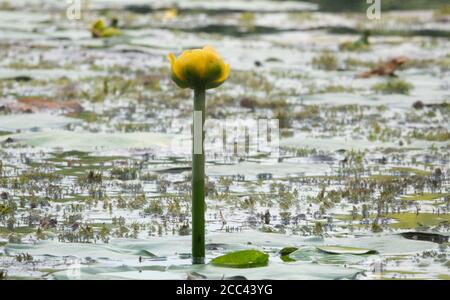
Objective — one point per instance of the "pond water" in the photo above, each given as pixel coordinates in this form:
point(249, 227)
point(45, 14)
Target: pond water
point(95, 140)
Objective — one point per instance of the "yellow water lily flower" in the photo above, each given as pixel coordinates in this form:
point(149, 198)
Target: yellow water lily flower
point(199, 69)
point(100, 30)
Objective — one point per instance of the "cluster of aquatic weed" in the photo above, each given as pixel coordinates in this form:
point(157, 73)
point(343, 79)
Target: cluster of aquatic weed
point(308, 113)
point(420, 117)
point(359, 45)
point(133, 127)
point(24, 257)
point(384, 134)
point(253, 103)
point(97, 89)
point(252, 81)
point(84, 234)
point(129, 231)
point(352, 110)
point(339, 118)
point(21, 65)
point(94, 232)
point(285, 195)
point(249, 203)
point(432, 110)
point(7, 215)
point(442, 11)
point(137, 202)
point(393, 86)
point(325, 61)
point(284, 119)
point(313, 89)
point(155, 207)
point(92, 177)
point(436, 135)
point(124, 173)
point(301, 17)
point(270, 229)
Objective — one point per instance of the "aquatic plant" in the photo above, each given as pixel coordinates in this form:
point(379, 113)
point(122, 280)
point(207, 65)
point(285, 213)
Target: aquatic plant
point(3, 274)
point(138, 202)
point(318, 229)
point(100, 30)
point(442, 11)
point(24, 257)
point(104, 233)
point(440, 135)
point(155, 207)
point(199, 70)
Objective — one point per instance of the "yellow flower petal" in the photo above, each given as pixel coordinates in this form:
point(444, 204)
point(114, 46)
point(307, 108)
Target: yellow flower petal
point(199, 68)
point(225, 73)
point(176, 66)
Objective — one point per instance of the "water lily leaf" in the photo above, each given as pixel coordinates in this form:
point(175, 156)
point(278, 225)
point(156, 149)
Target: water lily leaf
point(237, 277)
point(287, 258)
point(425, 236)
point(312, 254)
point(145, 253)
point(195, 276)
point(345, 250)
point(287, 250)
point(242, 259)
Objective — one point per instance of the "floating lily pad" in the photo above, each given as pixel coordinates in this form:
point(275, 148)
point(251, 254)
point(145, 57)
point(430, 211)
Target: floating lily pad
point(145, 253)
point(284, 253)
point(345, 250)
point(425, 236)
point(195, 276)
point(287, 258)
point(312, 254)
point(242, 259)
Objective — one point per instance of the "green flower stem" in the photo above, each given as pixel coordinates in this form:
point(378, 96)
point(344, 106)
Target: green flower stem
point(198, 185)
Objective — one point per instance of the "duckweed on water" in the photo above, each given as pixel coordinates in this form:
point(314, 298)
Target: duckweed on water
point(345, 250)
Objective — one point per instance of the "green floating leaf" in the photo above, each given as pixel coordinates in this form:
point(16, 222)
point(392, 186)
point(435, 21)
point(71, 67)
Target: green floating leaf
point(145, 253)
point(242, 259)
point(287, 250)
point(287, 258)
point(345, 250)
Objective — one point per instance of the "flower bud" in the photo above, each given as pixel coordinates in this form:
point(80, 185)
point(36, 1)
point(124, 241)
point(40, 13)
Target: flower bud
point(199, 68)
